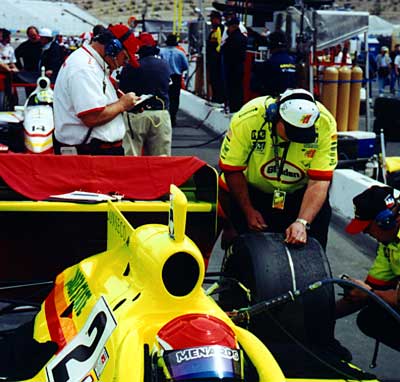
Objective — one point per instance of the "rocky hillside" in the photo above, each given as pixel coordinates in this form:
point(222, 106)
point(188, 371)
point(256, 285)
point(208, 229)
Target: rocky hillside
point(115, 11)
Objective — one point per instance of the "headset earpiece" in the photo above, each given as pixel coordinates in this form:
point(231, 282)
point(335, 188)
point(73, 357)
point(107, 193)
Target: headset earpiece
point(271, 112)
point(113, 48)
point(112, 45)
point(386, 219)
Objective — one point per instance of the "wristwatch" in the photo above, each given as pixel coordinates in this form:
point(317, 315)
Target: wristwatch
point(306, 224)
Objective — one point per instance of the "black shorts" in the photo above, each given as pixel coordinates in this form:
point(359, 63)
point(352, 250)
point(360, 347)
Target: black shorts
point(377, 323)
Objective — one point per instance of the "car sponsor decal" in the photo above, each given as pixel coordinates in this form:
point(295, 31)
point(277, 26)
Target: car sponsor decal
point(206, 352)
point(78, 291)
point(290, 174)
point(61, 329)
point(101, 363)
point(80, 355)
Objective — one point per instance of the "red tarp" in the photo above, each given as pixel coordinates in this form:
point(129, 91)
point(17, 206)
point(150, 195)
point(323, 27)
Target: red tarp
point(143, 178)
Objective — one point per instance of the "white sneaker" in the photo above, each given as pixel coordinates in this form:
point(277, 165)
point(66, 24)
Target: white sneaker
point(214, 104)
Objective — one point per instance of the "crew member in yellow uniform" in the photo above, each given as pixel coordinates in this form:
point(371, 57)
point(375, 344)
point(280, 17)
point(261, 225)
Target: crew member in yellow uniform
point(376, 213)
point(277, 161)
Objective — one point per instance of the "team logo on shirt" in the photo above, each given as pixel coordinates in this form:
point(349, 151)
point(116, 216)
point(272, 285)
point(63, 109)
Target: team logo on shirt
point(290, 174)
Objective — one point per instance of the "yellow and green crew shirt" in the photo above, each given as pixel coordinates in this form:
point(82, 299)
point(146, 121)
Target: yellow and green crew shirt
point(304, 161)
point(385, 270)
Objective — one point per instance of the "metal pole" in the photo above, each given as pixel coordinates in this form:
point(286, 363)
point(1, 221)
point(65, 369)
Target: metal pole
point(367, 84)
point(203, 50)
point(383, 158)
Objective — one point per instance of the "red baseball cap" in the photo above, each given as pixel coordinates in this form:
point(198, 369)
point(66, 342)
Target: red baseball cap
point(128, 40)
point(368, 205)
point(146, 39)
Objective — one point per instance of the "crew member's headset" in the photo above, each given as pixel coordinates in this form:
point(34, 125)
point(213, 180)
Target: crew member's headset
point(271, 115)
point(112, 45)
point(386, 219)
point(271, 112)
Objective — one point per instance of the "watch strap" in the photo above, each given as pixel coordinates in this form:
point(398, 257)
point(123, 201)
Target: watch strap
point(305, 223)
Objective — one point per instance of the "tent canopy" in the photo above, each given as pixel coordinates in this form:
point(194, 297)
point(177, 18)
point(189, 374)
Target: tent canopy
point(61, 17)
point(379, 26)
point(333, 27)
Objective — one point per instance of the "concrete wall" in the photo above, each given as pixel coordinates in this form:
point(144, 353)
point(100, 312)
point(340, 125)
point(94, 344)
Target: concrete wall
point(214, 118)
point(345, 185)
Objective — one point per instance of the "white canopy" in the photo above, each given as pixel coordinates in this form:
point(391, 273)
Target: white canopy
point(61, 17)
point(379, 26)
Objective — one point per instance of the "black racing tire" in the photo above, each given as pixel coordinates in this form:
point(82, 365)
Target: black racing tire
point(261, 262)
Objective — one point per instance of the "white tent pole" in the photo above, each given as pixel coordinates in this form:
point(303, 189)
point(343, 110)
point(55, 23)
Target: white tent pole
point(367, 79)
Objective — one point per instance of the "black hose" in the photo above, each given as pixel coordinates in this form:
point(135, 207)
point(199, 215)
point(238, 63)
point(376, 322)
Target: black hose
point(242, 315)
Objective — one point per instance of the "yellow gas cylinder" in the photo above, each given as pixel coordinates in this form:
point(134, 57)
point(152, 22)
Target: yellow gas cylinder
point(342, 110)
point(355, 89)
point(330, 89)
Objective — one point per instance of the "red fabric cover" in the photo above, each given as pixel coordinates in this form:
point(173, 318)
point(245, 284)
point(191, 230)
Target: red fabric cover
point(143, 178)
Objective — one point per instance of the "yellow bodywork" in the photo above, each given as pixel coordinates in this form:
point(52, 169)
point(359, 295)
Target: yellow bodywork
point(392, 164)
point(103, 310)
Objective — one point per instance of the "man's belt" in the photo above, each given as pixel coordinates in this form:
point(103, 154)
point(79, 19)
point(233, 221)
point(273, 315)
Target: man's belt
point(102, 144)
point(86, 147)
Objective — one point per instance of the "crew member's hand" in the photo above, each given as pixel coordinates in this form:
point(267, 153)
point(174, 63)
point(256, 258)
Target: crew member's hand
point(128, 100)
point(296, 233)
point(255, 221)
point(357, 295)
point(48, 73)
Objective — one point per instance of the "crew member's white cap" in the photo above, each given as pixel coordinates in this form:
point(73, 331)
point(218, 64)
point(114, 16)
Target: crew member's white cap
point(45, 32)
point(299, 112)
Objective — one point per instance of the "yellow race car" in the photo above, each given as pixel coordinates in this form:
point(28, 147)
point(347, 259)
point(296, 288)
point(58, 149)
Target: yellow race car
point(138, 311)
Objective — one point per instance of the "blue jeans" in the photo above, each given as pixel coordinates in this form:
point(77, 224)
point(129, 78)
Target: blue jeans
point(382, 82)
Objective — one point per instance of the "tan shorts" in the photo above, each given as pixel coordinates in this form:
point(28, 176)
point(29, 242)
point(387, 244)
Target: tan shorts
point(151, 133)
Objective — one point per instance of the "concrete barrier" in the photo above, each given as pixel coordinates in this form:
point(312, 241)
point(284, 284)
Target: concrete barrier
point(345, 185)
point(213, 118)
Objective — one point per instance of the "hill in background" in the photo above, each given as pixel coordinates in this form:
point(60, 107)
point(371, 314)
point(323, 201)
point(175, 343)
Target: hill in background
point(115, 11)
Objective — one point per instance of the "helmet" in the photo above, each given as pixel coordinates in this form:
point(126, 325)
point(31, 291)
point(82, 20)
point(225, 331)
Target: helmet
point(299, 112)
point(197, 347)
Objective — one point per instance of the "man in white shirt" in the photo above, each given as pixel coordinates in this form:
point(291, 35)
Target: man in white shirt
point(7, 65)
point(87, 111)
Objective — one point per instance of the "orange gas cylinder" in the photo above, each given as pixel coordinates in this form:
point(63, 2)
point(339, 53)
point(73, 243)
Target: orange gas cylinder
point(342, 110)
point(355, 89)
point(330, 89)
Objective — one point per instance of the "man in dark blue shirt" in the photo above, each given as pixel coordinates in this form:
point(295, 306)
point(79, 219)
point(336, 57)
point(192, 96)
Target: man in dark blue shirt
point(148, 131)
point(176, 58)
point(233, 52)
point(278, 73)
